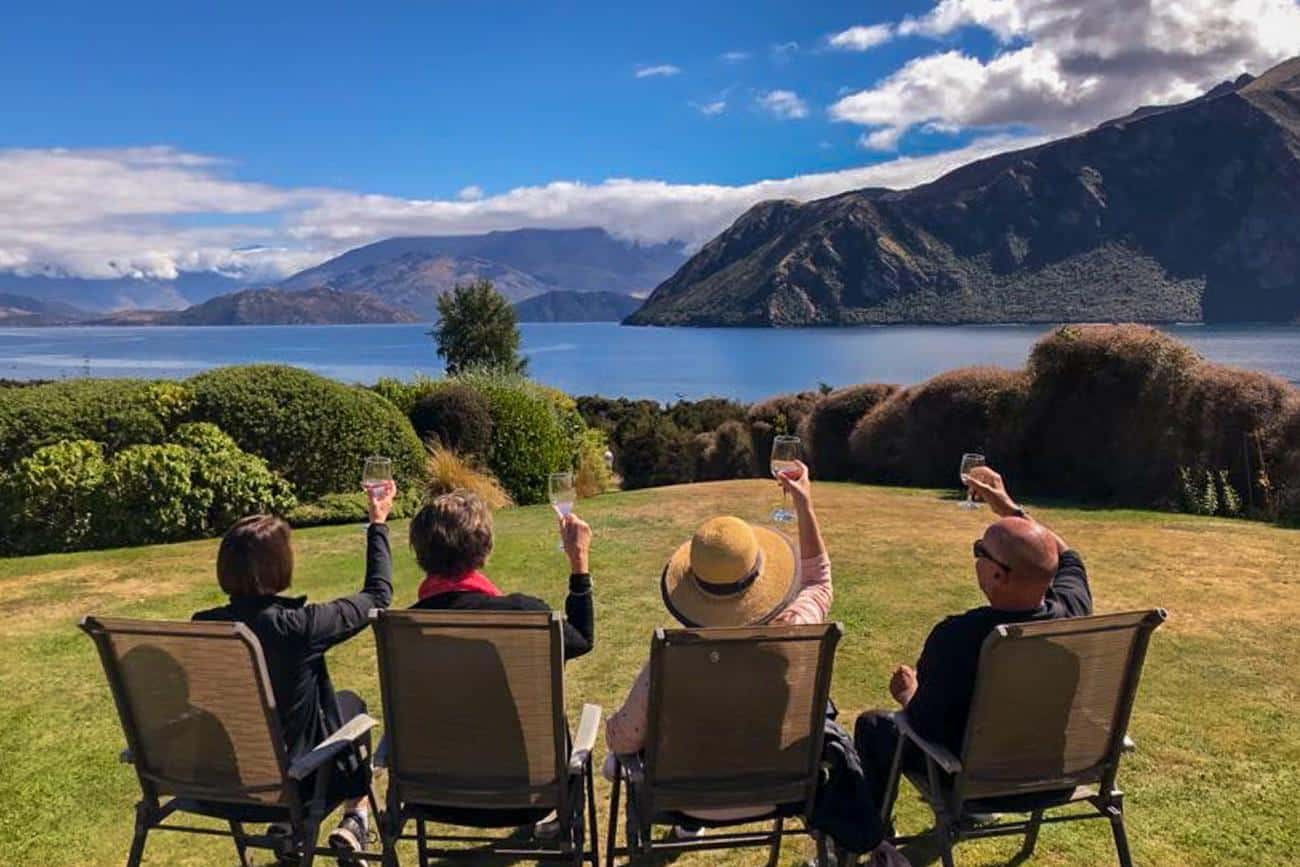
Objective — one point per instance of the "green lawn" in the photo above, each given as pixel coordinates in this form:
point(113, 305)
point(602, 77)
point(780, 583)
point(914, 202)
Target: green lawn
point(1216, 779)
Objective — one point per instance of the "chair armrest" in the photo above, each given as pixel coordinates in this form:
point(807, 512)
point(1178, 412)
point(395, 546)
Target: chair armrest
point(341, 741)
point(939, 753)
point(585, 742)
point(633, 767)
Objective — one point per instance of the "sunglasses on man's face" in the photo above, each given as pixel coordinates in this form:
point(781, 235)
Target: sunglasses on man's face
point(982, 553)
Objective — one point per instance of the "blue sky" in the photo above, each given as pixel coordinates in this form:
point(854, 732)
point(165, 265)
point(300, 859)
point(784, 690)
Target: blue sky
point(143, 138)
point(425, 98)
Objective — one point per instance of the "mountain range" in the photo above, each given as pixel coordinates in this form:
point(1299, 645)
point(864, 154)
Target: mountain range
point(411, 273)
point(1188, 212)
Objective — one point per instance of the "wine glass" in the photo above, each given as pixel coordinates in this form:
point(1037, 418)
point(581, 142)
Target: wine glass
point(562, 494)
point(785, 454)
point(970, 461)
point(376, 476)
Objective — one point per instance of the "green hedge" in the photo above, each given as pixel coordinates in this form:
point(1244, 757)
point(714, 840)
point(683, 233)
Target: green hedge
point(69, 496)
point(114, 412)
point(315, 432)
point(536, 431)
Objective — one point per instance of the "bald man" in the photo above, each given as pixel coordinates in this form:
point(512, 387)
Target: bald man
point(1026, 572)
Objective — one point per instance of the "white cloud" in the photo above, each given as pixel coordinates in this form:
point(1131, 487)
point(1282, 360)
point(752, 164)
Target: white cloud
point(884, 139)
point(861, 38)
point(471, 193)
point(118, 213)
point(785, 104)
point(664, 70)
point(735, 56)
point(712, 107)
point(1065, 65)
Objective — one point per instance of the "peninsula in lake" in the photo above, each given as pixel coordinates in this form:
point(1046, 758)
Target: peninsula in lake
point(1184, 213)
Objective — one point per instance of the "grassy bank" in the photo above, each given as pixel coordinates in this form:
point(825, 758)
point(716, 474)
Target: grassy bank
point(1216, 779)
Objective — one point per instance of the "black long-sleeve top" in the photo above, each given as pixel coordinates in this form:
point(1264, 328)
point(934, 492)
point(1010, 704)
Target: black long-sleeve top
point(579, 613)
point(295, 634)
point(945, 672)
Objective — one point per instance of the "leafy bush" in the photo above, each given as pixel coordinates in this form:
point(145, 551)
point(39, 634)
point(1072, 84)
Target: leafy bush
point(114, 412)
point(654, 452)
point(241, 484)
point(315, 432)
point(404, 394)
point(593, 475)
point(727, 453)
point(826, 430)
point(448, 472)
point(918, 434)
point(48, 500)
point(457, 417)
point(1282, 474)
point(606, 413)
point(149, 496)
point(531, 436)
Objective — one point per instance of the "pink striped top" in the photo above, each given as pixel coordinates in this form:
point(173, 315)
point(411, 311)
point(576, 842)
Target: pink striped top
point(625, 730)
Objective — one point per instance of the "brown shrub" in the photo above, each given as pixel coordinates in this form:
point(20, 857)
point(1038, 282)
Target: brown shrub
point(917, 435)
point(825, 431)
point(1283, 464)
point(1102, 413)
point(1222, 411)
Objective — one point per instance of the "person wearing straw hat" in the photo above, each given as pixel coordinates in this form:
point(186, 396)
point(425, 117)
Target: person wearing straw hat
point(732, 573)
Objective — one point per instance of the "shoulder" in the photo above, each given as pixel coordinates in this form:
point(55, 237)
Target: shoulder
point(220, 613)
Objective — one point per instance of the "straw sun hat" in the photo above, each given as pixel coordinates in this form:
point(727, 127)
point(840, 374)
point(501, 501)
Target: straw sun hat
point(730, 574)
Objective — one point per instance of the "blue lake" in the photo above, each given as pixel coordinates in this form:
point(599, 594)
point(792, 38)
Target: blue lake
point(599, 358)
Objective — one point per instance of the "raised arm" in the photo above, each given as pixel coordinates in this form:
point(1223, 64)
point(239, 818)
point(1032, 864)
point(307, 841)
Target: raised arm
point(328, 623)
point(579, 610)
point(799, 487)
point(986, 484)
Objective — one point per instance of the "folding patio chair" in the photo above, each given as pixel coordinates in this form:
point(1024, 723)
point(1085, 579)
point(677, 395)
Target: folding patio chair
point(202, 732)
point(475, 734)
point(736, 720)
point(1048, 726)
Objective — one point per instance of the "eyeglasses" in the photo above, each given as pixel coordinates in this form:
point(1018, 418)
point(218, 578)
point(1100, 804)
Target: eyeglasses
point(982, 553)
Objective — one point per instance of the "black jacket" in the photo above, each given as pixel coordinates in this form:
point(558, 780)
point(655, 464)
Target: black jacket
point(579, 614)
point(844, 809)
point(295, 634)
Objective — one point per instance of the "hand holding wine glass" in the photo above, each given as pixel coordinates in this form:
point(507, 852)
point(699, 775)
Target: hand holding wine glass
point(575, 539)
point(377, 481)
point(785, 460)
point(562, 494)
point(970, 461)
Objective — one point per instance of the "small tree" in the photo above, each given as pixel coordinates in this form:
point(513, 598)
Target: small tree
point(477, 329)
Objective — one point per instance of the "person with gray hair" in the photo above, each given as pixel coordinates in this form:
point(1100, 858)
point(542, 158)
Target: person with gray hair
point(452, 538)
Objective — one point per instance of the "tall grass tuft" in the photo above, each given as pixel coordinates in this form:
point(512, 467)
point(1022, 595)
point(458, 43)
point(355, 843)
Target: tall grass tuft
point(448, 471)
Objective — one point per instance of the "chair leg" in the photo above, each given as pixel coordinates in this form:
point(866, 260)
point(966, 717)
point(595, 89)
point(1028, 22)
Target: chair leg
point(592, 822)
point(945, 847)
point(612, 838)
point(141, 835)
point(423, 842)
point(1031, 836)
point(823, 850)
point(774, 851)
point(310, 837)
point(1121, 837)
point(237, 832)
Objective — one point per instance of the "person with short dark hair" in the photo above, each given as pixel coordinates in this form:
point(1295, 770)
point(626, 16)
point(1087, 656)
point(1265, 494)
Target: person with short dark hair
point(254, 566)
point(452, 538)
point(1027, 573)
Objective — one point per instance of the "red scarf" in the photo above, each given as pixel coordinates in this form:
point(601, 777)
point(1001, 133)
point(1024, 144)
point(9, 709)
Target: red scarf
point(473, 581)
